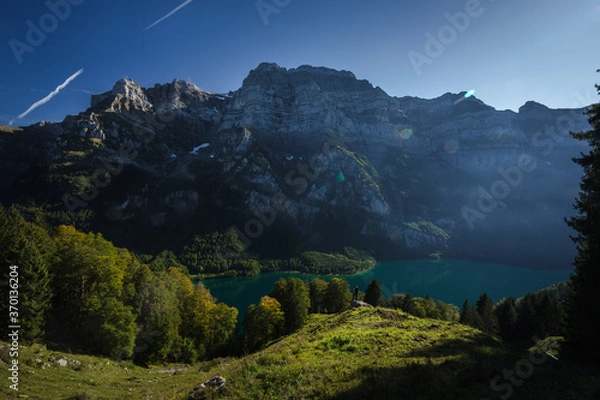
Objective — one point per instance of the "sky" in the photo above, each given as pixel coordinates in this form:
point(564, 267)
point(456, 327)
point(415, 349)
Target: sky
point(55, 53)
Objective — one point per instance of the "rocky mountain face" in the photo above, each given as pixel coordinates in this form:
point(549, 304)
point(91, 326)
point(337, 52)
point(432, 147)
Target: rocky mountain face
point(308, 158)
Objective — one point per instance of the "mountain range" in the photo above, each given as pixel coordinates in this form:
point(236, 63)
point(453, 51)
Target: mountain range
point(307, 158)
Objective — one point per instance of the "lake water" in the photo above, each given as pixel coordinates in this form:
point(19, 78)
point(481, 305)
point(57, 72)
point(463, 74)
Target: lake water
point(451, 281)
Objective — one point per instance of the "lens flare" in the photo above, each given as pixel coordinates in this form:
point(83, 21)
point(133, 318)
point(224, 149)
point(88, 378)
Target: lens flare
point(340, 178)
point(500, 136)
point(451, 146)
point(406, 133)
point(469, 93)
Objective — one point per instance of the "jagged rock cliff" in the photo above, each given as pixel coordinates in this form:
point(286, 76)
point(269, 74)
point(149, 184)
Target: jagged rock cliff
point(307, 158)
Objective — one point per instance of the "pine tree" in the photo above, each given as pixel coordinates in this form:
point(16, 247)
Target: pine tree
point(6, 232)
point(374, 294)
point(11, 232)
point(506, 312)
point(527, 321)
point(583, 314)
point(549, 315)
point(337, 297)
point(396, 301)
point(35, 291)
point(30, 249)
point(470, 316)
point(408, 305)
point(317, 289)
point(466, 314)
point(485, 309)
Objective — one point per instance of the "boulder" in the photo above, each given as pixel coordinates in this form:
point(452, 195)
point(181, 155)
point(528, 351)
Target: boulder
point(358, 303)
point(204, 390)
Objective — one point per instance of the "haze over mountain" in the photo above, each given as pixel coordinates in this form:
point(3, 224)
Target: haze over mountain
point(305, 158)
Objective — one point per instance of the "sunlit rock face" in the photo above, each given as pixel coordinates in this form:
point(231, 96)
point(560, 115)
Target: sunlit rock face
point(320, 159)
point(298, 107)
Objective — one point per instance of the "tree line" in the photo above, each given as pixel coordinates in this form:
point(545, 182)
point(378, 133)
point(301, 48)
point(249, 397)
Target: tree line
point(80, 292)
point(537, 314)
point(286, 308)
point(221, 254)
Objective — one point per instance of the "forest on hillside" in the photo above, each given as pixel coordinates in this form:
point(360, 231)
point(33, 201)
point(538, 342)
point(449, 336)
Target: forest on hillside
point(78, 291)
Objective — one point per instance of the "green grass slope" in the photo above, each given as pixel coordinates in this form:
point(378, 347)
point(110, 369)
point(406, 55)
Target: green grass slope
point(368, 353)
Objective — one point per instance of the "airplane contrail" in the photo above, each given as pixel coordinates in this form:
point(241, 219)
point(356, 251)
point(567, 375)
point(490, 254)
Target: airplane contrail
point(52, 94)
point(185, 3)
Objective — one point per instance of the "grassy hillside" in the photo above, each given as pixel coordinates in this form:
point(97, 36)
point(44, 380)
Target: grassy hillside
point(359, 354)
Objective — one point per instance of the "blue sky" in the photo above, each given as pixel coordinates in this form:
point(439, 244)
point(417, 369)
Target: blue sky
point(507, 51)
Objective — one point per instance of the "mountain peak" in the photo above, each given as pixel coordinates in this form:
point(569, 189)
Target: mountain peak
point(533, 106)
point(326, 79)
point(125, 93)
point(268, 67)
point(324, 71)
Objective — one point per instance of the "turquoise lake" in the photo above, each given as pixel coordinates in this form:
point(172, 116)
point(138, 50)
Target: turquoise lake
point(451, 281)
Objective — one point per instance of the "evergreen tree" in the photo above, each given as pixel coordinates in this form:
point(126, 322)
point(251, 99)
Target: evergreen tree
point(396, 301)
point(35, 293)
point(408, 304)
point(485, 309)
point(549, 315)
point(31, 250)
point(338, 296)
point(466, 314)
point(507, 315)
point(374, 294)
point(317, 289)
point(583, 314)
point(294, 298)
point(470, 316)
point(5, 230)
point(11, 231)
point(39, 218)
point(527, 320)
